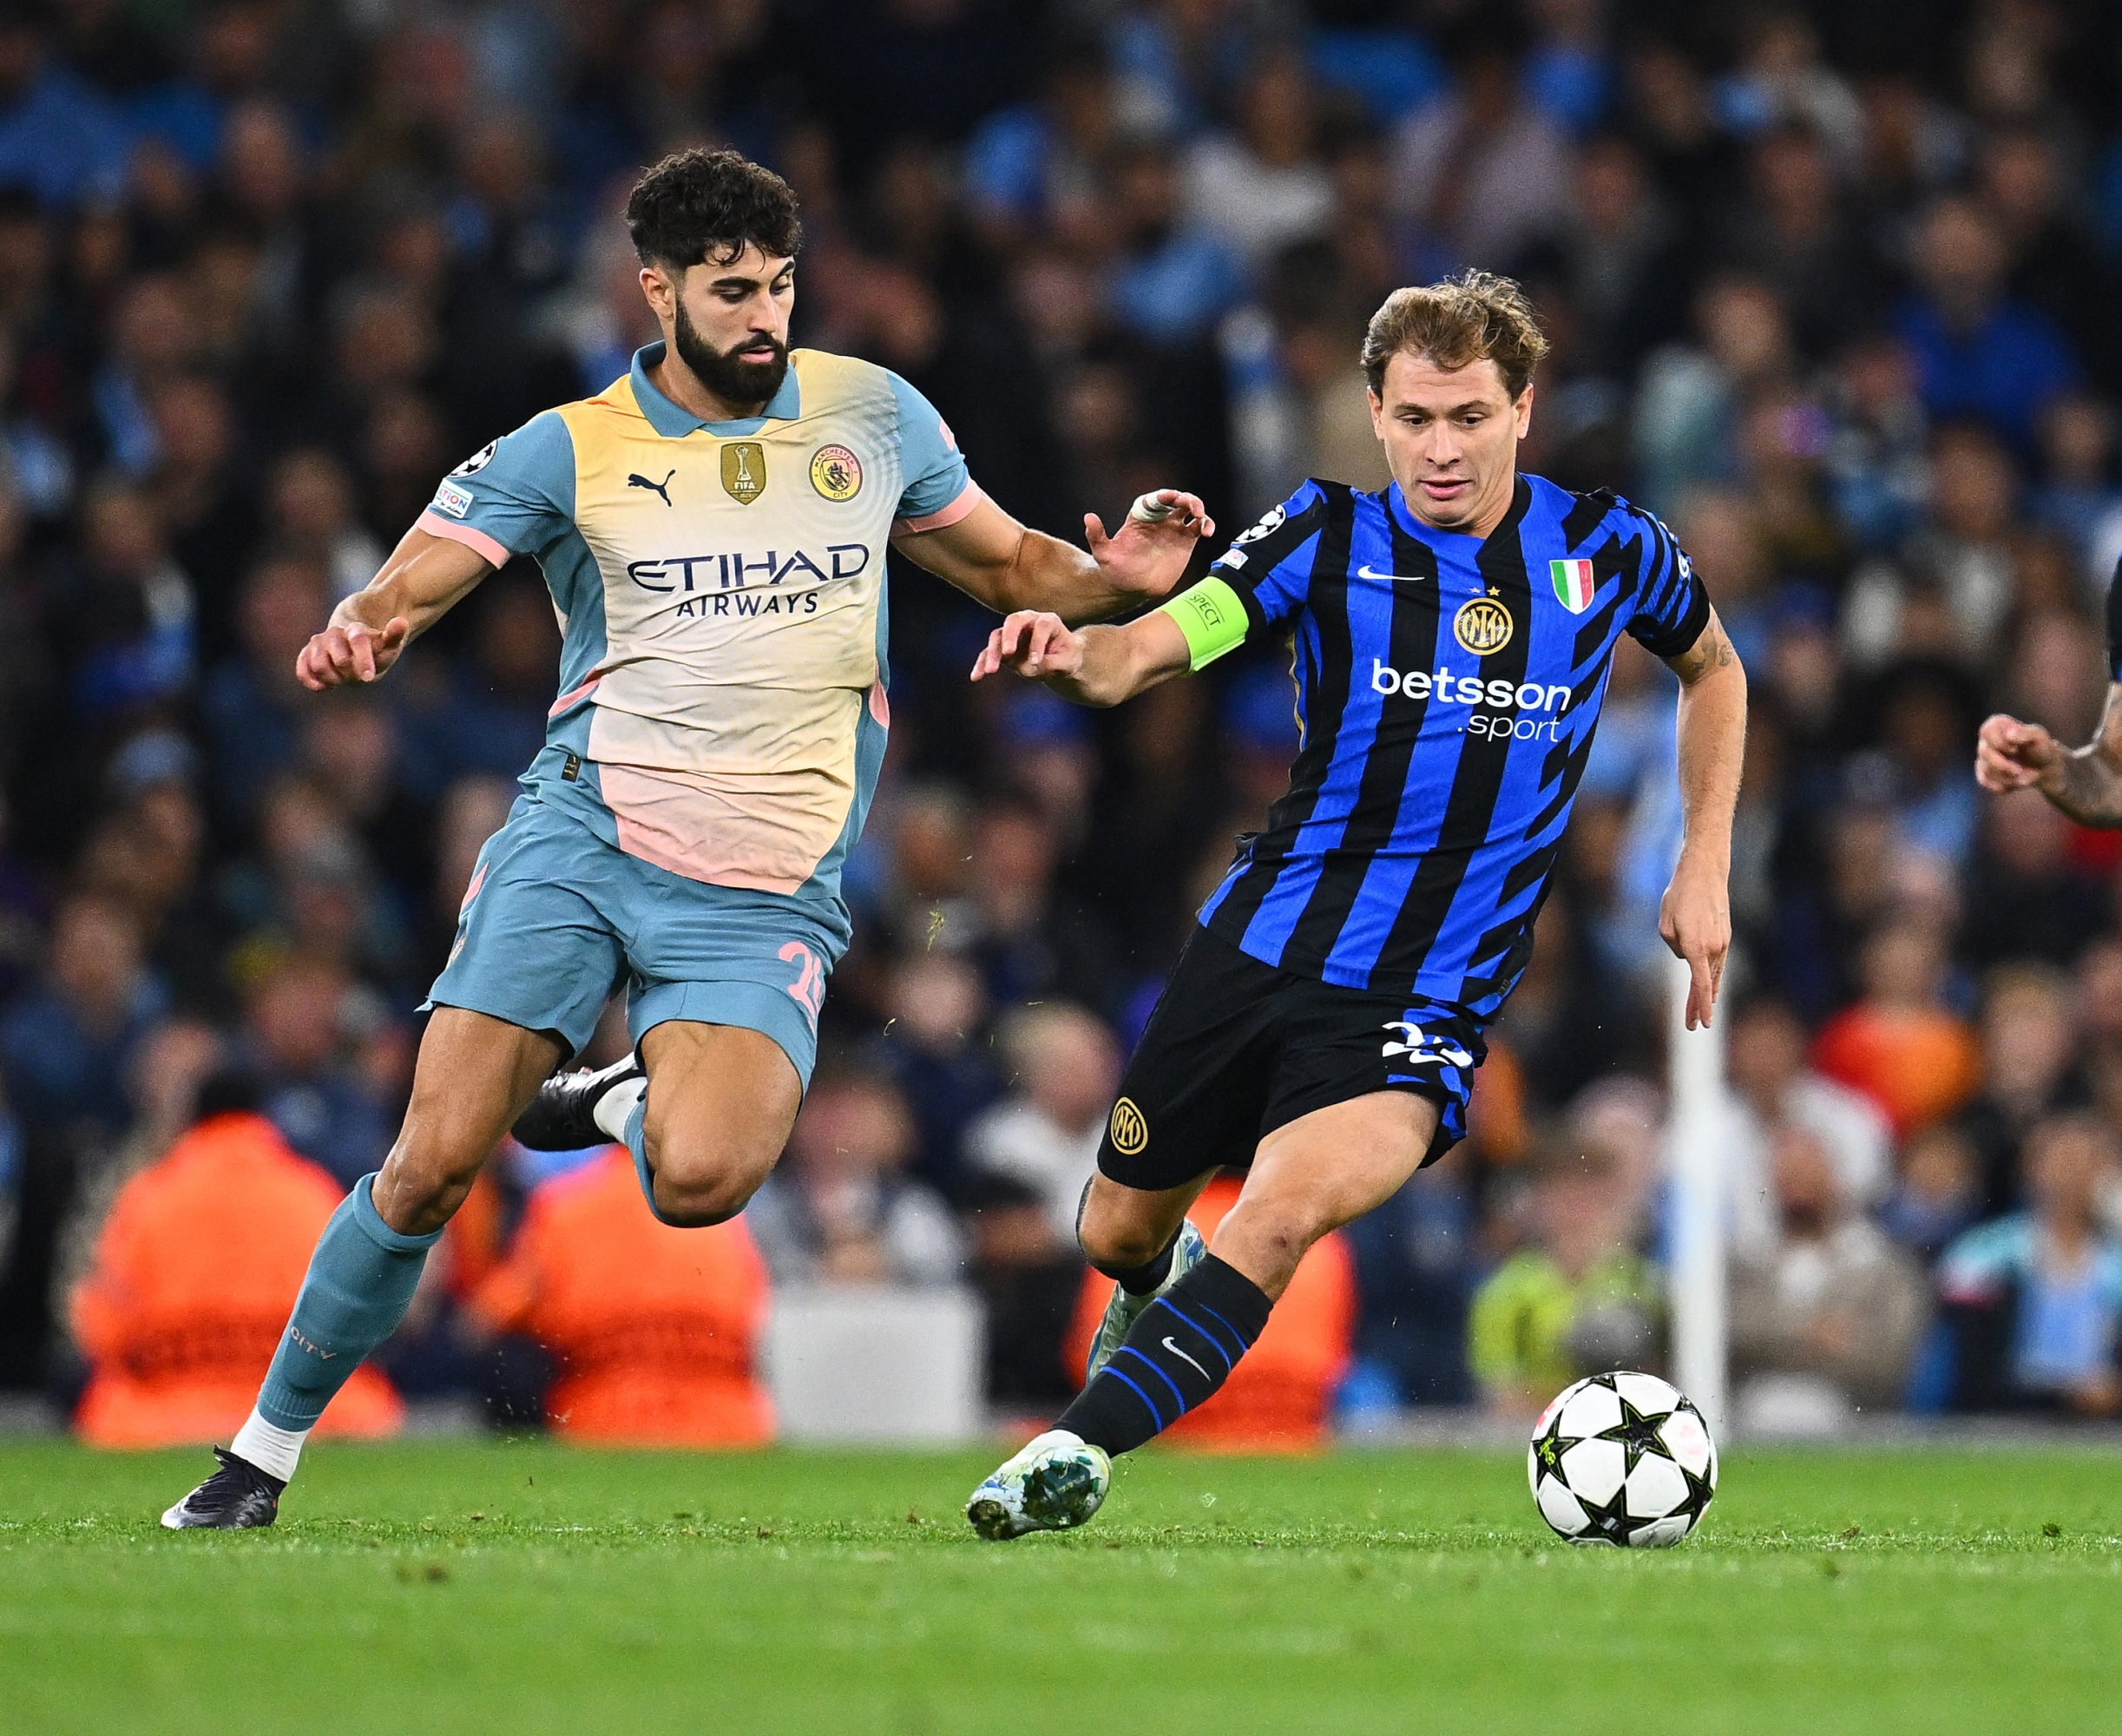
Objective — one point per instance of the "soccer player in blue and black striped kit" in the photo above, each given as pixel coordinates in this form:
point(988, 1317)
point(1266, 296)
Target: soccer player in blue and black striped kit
point(1452, 638)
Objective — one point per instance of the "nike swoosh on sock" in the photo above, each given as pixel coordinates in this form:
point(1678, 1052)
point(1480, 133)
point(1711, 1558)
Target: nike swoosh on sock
point(1188, 1360)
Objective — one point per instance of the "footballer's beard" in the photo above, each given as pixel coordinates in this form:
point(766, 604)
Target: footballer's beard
point(734, 381)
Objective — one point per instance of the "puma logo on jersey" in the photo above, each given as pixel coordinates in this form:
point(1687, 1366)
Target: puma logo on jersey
point(662, 488)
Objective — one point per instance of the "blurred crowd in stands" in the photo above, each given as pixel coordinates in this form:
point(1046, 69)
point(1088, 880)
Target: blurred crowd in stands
point(1832, 287)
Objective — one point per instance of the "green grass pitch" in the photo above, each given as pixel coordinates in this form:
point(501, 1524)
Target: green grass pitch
point(445, 1587)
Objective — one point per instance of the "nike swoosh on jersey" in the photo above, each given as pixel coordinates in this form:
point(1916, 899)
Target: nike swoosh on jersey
point(1188, 1360)
point(1366, 572)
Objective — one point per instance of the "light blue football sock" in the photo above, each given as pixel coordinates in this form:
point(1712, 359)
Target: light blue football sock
point(358, 1286)
point(637, 1143)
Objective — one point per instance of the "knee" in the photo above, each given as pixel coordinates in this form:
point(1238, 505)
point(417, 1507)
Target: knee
point(1267, 1237)
point(1112, 1243)
point(420, 1188)
point(700, 1181)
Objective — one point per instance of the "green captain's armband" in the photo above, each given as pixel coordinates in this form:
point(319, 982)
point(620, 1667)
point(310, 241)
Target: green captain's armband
point(1212, 616)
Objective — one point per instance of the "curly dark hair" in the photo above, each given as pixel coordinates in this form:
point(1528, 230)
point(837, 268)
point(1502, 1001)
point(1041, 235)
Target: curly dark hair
point(704, 207)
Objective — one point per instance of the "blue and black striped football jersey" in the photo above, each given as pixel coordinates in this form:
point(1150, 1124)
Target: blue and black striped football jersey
point(1448, 687)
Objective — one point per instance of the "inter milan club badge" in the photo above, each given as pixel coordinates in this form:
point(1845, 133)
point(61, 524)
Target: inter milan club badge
point(1482, 626)
point(836, 473)
point(1130, 1132)
point(743, 471)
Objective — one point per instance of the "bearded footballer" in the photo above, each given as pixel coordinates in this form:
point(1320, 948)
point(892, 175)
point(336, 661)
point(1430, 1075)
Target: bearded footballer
point(712, 527)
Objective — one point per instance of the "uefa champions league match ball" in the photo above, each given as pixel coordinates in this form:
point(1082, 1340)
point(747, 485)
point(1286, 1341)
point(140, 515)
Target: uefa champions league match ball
point(1622, 1459)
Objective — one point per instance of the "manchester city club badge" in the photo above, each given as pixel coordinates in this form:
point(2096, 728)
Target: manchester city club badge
point(743, 471)
point(836, 473)
point(1482, 626)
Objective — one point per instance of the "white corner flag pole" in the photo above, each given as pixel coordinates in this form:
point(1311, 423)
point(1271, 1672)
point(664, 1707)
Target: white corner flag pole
point(1695, 1146)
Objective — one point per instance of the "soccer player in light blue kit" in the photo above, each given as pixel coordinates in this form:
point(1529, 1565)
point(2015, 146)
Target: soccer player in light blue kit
point(714, 529)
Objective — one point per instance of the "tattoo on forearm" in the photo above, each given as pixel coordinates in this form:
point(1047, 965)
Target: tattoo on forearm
point(2092, 792)
point(1712, 651)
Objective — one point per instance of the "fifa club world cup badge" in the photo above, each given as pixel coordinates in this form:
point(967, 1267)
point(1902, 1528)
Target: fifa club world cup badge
point(743, 471)
point(836, 473)
point(1483, 625)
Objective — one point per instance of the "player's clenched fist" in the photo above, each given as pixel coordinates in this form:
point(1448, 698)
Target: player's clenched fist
point(1035, 645)
point(355, 652)
point(2012, 755)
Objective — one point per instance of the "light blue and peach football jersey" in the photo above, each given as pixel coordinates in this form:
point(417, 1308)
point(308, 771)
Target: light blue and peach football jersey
point(720, 589)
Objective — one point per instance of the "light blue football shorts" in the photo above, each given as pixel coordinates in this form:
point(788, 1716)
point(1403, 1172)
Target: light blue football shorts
point(555, 918)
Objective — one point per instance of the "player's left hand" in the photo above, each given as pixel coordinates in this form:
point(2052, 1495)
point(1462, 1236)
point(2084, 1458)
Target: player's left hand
point(1035, 644)
point(1149, 552)
point(1695, 919)
point(2011, 755)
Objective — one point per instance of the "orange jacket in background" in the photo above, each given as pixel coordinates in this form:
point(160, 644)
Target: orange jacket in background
point(195, 1273)
point(1279, 1398)
point(474, 1244)
point(1918, 1065)
point(654, 1326)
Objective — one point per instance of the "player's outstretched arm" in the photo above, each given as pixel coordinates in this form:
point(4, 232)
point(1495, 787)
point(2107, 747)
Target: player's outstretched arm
point(424, 578)
point(1093, 666)
point(2086, 782)
point(1695, 915)
point(1009, 566)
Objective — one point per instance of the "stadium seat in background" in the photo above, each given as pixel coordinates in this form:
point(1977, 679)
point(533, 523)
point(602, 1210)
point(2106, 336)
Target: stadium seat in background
point(654, 1329)
point(1281, 1398)
point(193, 1275)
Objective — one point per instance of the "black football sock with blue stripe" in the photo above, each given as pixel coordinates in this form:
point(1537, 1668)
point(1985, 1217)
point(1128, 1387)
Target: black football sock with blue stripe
point(1177, 1354)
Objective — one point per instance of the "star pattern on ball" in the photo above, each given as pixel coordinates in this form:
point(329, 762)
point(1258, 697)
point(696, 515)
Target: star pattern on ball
point(1610, 1521)
point(1637, 1433)
point(1551, 1448)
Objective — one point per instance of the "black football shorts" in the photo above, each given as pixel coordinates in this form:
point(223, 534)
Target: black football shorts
point(1236, 1048)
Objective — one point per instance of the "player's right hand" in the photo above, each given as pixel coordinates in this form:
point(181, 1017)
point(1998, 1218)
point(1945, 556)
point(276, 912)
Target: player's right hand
point(340, 655)
point(2011, 755)
point(1035, 645)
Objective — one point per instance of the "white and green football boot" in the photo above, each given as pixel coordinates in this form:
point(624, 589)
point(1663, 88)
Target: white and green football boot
point(1123, 1310)
point(1056, 1482)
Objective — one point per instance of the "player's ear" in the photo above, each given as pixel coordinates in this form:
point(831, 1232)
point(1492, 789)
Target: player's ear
point(1377, 412)
point(661, 289)
point(1522, 409)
